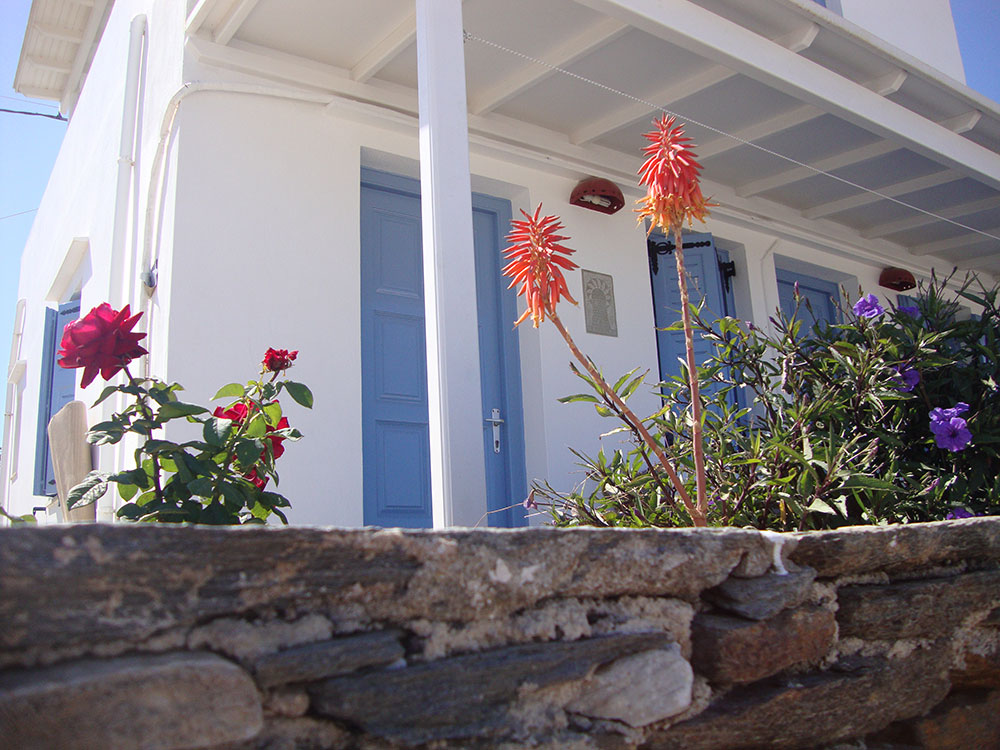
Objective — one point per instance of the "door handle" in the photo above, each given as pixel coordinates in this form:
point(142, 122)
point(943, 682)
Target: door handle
point(494, 419)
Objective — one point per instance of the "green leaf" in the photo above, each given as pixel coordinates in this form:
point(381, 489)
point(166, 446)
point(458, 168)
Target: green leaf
point(578, 397)
point(232, 390)
point(127, 491)
point(91, 489)
point(300, 393)
point(273, 412)
point(217, 431)
point(248, 451)
point(173, 409)
point(202, 487)
point(108, 390)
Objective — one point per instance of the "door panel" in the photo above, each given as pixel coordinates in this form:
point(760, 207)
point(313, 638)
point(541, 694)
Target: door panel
point(396, 449)
point(821, 296)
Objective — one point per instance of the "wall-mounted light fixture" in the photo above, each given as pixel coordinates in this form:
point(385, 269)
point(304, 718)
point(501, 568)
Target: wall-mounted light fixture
point(598, 194)
point(897, 279)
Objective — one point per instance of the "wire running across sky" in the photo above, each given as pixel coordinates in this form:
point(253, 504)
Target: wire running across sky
point(657, 107)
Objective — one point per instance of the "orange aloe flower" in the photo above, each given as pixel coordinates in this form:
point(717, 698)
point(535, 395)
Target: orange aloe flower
point(535, 260)
point(670, 175)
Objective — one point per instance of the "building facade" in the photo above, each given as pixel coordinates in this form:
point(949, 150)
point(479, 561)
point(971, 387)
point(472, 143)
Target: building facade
point(338, 178)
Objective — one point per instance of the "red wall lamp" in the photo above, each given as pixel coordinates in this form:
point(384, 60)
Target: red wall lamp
point(897, 279)
point(598, 194)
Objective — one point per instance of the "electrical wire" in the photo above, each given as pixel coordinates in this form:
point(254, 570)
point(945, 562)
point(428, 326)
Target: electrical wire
point(656, 107)
point(33, 114)
point(19, 213)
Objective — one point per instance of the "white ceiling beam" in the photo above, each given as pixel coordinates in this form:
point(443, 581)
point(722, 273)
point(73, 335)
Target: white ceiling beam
point(58, 32)
point(920, 220)
point(795, 41)
point(238, 13)
point(959, 124)
point(724, 42)
point(635, 111)
point(597, 35)
point(968, 238)
point(198, 15)
point(56, 66)
point(883, 85)
point(890, 191)
point(401, 36)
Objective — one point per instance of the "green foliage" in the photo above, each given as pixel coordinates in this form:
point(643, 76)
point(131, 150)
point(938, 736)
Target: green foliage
point(219, 479)
point(816, 428)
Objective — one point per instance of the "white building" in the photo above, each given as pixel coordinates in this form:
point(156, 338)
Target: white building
point(259, 161)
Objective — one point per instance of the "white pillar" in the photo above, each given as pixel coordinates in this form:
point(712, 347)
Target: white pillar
point(458, 467)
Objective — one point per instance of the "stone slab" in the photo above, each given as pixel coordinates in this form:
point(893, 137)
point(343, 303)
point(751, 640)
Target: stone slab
point(82, 587)
point(763, 597)
point(857, 697)
point(316, 661)
point(734, 650)
point(914, 609)
point(899, 548)
point(162, 702)
point(640, 689)
point(465, 696)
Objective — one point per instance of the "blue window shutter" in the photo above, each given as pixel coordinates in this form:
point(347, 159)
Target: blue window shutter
point(57, 388)
point(821, 294)
point(704, 283)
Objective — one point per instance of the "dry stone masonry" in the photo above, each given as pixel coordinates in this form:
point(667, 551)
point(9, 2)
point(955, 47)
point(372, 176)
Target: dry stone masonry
point(586, 639)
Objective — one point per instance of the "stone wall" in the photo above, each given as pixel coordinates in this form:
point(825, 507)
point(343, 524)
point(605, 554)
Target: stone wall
point(159, 637)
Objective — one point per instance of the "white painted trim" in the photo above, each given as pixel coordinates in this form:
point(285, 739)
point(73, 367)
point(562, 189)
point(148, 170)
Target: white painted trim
point(952, 243)
point(892, 191)
point(454, 393)
point(67, 277)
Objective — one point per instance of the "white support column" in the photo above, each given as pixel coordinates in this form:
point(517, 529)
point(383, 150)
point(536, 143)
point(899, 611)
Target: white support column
point(458, 467)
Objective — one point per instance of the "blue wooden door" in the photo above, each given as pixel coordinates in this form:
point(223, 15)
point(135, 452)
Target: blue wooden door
point(57, 388)
point(705, 283)
point(819, 298)
point(395, 437)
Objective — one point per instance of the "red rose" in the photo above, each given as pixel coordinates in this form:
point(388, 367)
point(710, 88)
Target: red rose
point(237, 412)
point(276, 360)
point(101, 341)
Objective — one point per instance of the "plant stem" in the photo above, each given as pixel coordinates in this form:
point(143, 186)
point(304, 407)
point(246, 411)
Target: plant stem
point(697, 442)
point(697, 518)
point(144, 408)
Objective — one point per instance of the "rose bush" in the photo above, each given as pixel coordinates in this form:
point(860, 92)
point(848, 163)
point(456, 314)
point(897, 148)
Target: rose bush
point(220, 477)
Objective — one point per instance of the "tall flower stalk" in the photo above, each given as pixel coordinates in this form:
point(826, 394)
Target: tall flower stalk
point(536, 258)
point(673, 198)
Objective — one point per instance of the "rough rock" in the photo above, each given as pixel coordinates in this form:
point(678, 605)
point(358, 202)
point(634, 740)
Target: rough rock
point(762, 597)
point(298, 734)
point(855, 698)
point(965, 720)
point(161, 702)
point(245, 641)
point(903, 547)
point(140, 582)
point(734, 650)
point(316, 661)
point(286, 702)
point(980, 668)
point(638, 689)
point(465, 696)
point(915, 609)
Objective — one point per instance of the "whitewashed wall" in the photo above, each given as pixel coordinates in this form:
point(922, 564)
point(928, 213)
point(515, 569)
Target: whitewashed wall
point(924, 29)
point(79, 203)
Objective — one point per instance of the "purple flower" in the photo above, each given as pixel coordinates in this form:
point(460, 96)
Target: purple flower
point(951, 432)
point(959, 513)
point(907, 377)
point(529, 502)
point(955, 411)
point(912, 310)
point(868, 307)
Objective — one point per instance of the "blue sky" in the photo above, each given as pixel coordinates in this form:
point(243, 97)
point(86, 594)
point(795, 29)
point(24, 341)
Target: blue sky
point(29, 145)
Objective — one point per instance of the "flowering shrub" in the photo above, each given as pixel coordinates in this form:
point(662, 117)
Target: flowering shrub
point(890, 416)
point(222, 477)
